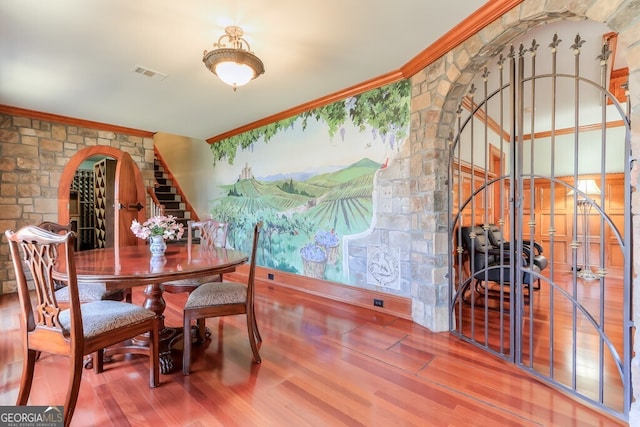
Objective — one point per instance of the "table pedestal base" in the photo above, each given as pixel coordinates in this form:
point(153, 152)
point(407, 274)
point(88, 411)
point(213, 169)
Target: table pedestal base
point(168, 337)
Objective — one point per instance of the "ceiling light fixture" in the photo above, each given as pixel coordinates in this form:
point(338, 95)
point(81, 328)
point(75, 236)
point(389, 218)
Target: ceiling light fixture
point(234, 64)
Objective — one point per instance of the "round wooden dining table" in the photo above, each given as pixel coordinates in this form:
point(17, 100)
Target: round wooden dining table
point(132, 266)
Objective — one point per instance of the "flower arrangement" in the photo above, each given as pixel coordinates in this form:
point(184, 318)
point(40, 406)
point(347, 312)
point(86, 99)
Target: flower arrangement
point(166, 226)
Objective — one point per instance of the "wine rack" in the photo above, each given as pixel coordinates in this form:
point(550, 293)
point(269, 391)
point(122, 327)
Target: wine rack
point(104, 179)
point(82, 196)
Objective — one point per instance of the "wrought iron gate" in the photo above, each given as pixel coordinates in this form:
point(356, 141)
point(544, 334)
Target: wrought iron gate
point(540, 223)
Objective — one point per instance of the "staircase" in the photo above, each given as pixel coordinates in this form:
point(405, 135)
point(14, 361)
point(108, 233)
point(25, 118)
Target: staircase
point(169, 195)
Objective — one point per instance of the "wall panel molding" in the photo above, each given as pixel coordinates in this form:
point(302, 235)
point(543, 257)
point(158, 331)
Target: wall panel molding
point(393, 305)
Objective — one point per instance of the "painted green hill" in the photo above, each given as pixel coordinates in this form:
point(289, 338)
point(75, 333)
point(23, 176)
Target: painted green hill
point(360, 168)
point(254, 195)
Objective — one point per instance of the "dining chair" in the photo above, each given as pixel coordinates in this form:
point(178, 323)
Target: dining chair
point(74, 332)
point(212, 234)
point(224, 299)
point(87, 291)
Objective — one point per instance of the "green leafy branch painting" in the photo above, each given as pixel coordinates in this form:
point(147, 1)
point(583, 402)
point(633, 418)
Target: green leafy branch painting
point(385, 110)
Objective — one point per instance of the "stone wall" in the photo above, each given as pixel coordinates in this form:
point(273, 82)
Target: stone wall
point(33, 155)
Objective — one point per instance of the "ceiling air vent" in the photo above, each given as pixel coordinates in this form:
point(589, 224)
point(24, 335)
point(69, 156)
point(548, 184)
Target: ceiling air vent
point(147, 72)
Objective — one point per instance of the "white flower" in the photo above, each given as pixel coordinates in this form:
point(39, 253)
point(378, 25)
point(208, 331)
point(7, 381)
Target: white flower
point(166, 226)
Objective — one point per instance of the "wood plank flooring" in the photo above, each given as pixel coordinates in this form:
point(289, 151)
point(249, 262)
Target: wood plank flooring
point(324, 364)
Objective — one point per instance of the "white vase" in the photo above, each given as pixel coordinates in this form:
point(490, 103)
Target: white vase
point(156, 263)
point(157, 246)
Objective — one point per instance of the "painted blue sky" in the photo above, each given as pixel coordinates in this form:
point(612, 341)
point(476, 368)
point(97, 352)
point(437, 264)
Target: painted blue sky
point(312, 152)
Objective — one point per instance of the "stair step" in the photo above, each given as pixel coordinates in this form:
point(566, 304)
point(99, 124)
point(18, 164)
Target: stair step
point(165, 189)
point(174, 205)
point(173, 197)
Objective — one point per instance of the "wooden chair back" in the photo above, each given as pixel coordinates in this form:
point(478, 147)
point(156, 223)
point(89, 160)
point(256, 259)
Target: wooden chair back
point(38, 250)
point(212, 233)
point(87, 291)
point(257, 229)
point(54, 227)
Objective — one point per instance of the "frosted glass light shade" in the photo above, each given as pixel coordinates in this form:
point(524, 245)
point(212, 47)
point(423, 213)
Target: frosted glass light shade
point(235, 65)
point(234, 74)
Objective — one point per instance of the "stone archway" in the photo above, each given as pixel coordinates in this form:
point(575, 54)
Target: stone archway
point(444, 84)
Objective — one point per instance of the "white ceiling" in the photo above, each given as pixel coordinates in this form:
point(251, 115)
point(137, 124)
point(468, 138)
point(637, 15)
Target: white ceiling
point(74, 57)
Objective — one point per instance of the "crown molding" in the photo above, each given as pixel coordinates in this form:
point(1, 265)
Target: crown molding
point(73, 122)
point(475, 22)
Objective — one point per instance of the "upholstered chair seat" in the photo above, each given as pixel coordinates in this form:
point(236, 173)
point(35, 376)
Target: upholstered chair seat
point(215, 294)
point(99, 317)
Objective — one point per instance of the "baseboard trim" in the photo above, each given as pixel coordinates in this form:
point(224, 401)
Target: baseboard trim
point(392, 304)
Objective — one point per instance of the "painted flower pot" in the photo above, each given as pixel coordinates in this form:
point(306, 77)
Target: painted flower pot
point(314, 260)
point(330, 243)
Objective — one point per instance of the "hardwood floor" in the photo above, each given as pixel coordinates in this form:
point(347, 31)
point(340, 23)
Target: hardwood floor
point(549, 345)
point(324, 364)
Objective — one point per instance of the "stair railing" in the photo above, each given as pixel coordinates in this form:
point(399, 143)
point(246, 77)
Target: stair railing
point(157, 208)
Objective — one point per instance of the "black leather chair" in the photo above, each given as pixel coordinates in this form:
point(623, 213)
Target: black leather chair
point(489, 264)
point(532, 250)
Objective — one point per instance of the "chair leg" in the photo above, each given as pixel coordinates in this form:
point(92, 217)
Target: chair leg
point(154, 355)
point(186, 338)
point(202, 330)
point(537, 287)
point(252, 336)
point(27, 376)
point(466, 288)
point(98, 361)
point(73, 388)
point(255, 326)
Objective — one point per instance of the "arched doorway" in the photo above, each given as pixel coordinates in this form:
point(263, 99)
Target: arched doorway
point(128, 187)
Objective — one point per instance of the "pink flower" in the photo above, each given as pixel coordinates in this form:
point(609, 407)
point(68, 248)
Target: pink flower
point(166, 226)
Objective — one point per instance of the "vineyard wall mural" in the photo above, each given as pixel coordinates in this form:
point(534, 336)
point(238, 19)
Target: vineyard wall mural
point(311, 179)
